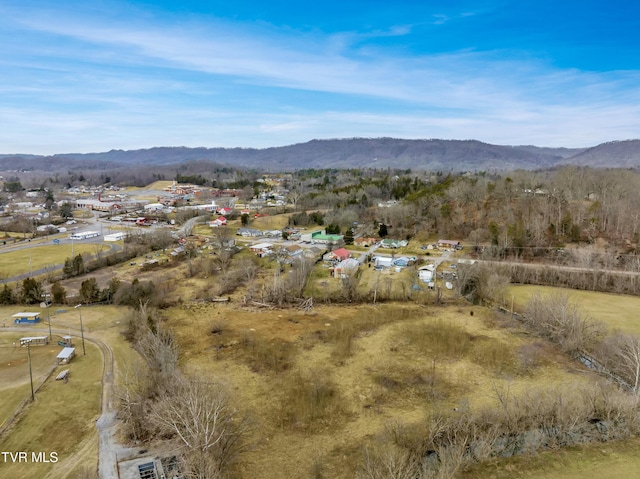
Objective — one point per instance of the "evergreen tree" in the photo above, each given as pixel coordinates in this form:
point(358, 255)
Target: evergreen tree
point(7, 296)
point(348, 236)
point(31, 291)
point(59, 293)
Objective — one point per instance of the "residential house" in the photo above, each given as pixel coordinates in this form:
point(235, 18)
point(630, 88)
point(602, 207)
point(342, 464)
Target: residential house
point(340, 254)
point(393, 243)
point(314, 253)
point(321, 237)
point(426, 273)
point(452, 244)
point(404, 261)
point(345, 268)
point(248, 232)
point(261, 249)
point(383, 261)
point(365, 242)
point(219, 221)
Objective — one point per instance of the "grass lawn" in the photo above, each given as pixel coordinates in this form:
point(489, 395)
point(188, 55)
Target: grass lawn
point(21, 261)
point(617, 311)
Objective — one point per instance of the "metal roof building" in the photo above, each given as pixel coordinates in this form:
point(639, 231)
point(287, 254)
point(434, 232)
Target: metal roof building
point(25, 317)
point(66, 355)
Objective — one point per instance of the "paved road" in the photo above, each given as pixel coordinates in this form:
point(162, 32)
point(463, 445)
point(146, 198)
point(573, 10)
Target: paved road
point(575, 269)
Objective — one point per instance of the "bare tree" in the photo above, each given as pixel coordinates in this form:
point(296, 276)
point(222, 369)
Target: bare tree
point(560, 320)
point(350, 283)
point(206, 426)
point(299, 276)
point(621, 353)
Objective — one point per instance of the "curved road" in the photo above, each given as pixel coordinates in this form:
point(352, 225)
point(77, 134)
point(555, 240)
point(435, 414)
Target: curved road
point(107, 460)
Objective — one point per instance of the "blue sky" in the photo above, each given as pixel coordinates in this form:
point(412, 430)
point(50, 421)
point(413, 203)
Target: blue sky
point(94, 76)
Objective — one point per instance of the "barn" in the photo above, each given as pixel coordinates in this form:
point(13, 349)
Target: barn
point(25, 317)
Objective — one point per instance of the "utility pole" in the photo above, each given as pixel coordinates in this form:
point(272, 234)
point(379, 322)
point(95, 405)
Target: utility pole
point(84, 352)
point(33, 397)
point(46, 305)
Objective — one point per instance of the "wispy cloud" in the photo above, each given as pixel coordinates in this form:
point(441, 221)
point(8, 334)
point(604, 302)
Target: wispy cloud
point(152, 79)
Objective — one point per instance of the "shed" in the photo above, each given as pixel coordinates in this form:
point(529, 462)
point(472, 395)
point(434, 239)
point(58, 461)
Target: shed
point(24, 317)
point(35, 340)
point(66, 355)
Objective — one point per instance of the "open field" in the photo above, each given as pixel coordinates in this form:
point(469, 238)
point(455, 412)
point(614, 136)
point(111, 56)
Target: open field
point(618, 459)
point(157, 185)
point(60, 420)
point(21, 261)
point(272, 222)
point(369, 366)
point(617, 311)
point(14, 370)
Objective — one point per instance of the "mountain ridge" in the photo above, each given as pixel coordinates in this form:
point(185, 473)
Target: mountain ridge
point(383, 152)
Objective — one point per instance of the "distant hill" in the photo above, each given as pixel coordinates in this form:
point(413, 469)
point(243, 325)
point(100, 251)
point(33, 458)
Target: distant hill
point(433, 154)
point(621, 154)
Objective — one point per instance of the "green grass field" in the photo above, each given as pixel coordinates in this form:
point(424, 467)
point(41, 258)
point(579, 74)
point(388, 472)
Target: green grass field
point(21, 261)
point(617, 311)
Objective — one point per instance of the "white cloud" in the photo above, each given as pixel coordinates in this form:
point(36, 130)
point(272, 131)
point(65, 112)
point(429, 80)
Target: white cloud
point(133, 83)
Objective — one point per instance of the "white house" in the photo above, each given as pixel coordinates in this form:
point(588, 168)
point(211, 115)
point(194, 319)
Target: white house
point(261, 249)
point(344, 268)
point(426, 273)
point(383, 261)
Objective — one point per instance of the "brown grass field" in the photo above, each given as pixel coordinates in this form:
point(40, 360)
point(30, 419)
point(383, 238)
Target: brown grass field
point(617, 311)
point(62, 417)
point(61, 420)
point(320, 386)
point(332, 380)
point(14, 370)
